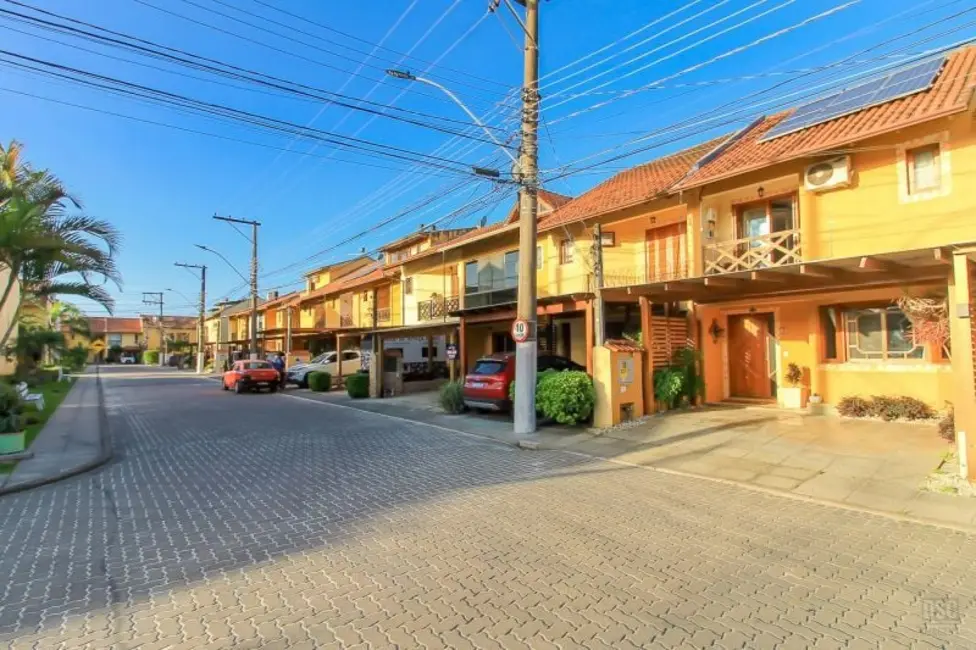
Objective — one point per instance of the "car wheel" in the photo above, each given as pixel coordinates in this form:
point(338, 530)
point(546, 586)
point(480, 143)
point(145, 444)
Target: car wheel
point(224, 385)
point(238, 388)
point(273, 388)
point(303, 382)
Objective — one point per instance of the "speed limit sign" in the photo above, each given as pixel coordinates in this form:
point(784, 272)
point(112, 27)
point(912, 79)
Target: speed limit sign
point(520, 330)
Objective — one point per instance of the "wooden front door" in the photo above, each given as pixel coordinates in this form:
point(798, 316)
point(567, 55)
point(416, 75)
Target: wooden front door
point(667, 252)
point(452, 282)
point(748, 358)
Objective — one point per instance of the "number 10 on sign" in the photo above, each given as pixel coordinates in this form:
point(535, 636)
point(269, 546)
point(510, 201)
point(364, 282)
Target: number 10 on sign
point(520, 330)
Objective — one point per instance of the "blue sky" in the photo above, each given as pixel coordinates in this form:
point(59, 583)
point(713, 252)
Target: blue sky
point(161, 185)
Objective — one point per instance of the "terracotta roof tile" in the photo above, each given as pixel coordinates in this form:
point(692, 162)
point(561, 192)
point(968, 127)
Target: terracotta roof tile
point(113, 325)
point(630, 187)
point(949, 94)
point(622, 345)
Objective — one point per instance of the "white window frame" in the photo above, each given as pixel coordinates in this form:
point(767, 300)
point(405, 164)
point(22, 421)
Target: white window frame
point(903, 168)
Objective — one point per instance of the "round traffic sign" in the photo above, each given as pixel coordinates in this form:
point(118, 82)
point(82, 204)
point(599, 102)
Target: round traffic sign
point(520, 330)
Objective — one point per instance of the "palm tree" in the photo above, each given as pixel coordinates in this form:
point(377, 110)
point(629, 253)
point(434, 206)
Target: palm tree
point(49, 251)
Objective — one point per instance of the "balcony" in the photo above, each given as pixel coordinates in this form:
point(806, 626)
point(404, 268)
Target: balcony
point(779, 248)
point(345, 320)
point(437, 308)
point(645, 276)
point(489, 298)
point(383, 315)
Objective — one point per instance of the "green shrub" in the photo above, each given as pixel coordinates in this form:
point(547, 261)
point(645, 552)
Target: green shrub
point(75, 359)
point(566, 397)
point(853, 406)
point(11, 409)
point(688, 361)
point(947, 425)
point(793, 374)
point(150, 357)
point(451, 397)
point(319, 382)
point(884, 407)
point(669, 385)
point(538, 378)
point(31, 418)
point(358, 385)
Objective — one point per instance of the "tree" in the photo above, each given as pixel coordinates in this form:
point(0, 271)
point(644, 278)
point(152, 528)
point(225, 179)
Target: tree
point(49, 251)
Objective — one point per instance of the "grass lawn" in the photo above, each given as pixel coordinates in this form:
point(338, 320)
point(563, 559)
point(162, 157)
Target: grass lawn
point(54, 393)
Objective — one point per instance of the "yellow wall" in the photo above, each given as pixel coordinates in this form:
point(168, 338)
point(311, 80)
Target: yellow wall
point(611, 392)
point(874, 214)
point(626, 262)
point(798, 333)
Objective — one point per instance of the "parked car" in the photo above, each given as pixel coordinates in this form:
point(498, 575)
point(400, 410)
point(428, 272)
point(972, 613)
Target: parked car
point(127, 357)
point(251, 375)
point(352, 362)
point(486, 387)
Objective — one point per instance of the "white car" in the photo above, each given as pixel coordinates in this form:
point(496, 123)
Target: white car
point(127, 357)
point(352, 362)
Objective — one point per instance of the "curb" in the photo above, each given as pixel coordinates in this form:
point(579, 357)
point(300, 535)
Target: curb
point(106, 454)
point(534, 446)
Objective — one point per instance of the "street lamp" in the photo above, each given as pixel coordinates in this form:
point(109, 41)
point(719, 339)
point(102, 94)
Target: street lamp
point(226, 261)
point(409, 76)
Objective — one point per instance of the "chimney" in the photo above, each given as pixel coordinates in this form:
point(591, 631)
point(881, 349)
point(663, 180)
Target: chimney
point(272, 295)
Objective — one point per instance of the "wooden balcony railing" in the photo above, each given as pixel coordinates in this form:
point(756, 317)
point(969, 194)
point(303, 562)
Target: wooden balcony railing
point(750, 253)
point(345, 320)
point(383, 315)
point(436, 308)
point(645, 276)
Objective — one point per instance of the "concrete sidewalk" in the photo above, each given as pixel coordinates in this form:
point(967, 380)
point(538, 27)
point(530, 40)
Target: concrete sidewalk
point(871, 466)
point(71, 442)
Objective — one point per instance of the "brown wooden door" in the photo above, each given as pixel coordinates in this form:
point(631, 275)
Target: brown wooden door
point(748, 363)
point(453, 282)
point(667, 254)
point(383, 297)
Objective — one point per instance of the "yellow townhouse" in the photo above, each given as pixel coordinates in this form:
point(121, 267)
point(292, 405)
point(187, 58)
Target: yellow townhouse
point(839, 237)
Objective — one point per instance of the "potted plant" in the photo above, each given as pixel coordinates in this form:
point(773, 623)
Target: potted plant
point(793, 396)
point(11, 421)
point(815, 405)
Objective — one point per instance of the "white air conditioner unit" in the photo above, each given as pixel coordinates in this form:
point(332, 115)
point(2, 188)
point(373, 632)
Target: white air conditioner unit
point(828, 174)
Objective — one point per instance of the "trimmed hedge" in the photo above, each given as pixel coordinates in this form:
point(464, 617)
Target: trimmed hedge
point(150, 357)
point(358, 385)
point(885, 407)
point(319, 382)
point(566, 397)
point(451, 397)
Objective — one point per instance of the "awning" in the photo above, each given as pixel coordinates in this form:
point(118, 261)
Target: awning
point(549, 305)
point(420, 329)
point(860, 272)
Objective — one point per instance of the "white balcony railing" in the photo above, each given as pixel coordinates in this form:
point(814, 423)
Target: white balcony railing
point(750, 253)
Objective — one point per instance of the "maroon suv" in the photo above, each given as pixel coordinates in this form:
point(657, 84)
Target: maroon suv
point(486, 386)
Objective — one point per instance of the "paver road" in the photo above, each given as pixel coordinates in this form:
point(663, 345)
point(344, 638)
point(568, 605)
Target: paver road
point(262, 521)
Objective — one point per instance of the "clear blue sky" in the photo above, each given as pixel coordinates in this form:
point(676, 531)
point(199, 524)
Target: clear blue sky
point(161, 185)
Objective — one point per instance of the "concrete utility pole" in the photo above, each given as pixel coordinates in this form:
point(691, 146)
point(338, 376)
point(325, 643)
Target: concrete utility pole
point(162, 338)
point(526, 353)
point(598, 306)
point(203, 311)
point(254, 278)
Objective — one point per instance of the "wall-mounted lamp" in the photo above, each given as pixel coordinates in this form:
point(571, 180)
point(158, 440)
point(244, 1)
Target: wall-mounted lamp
point(761, 191)
point(716, 330)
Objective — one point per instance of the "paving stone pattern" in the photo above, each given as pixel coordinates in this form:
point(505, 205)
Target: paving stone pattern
point(257, 521)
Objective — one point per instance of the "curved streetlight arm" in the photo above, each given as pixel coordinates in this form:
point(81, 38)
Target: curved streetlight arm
point(226, 261)
point(409, 77)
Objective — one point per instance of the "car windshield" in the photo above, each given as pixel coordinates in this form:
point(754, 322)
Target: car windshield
point(488, 367)
point(255, 365)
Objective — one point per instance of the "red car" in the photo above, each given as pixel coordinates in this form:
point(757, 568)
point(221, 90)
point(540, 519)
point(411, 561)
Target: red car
point(251, 375)
point(486, 386)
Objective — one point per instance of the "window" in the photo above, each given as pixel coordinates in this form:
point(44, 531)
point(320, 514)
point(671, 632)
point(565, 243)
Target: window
point(471, 277)
point(489, 367)
point(566, 251)
point(924, 171)
point(880, 334)
point(350, 355)
point(408, 286)
point(608, 239)
point(424, 352)
point(511, 269)
point(114, 340)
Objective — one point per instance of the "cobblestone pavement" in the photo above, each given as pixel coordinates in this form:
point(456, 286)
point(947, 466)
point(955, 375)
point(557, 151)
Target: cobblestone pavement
point(258, 521)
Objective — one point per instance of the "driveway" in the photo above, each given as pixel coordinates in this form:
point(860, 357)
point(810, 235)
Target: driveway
point(266, 521)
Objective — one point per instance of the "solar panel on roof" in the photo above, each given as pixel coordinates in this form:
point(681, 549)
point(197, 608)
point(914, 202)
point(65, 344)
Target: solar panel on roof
point(901, 83)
